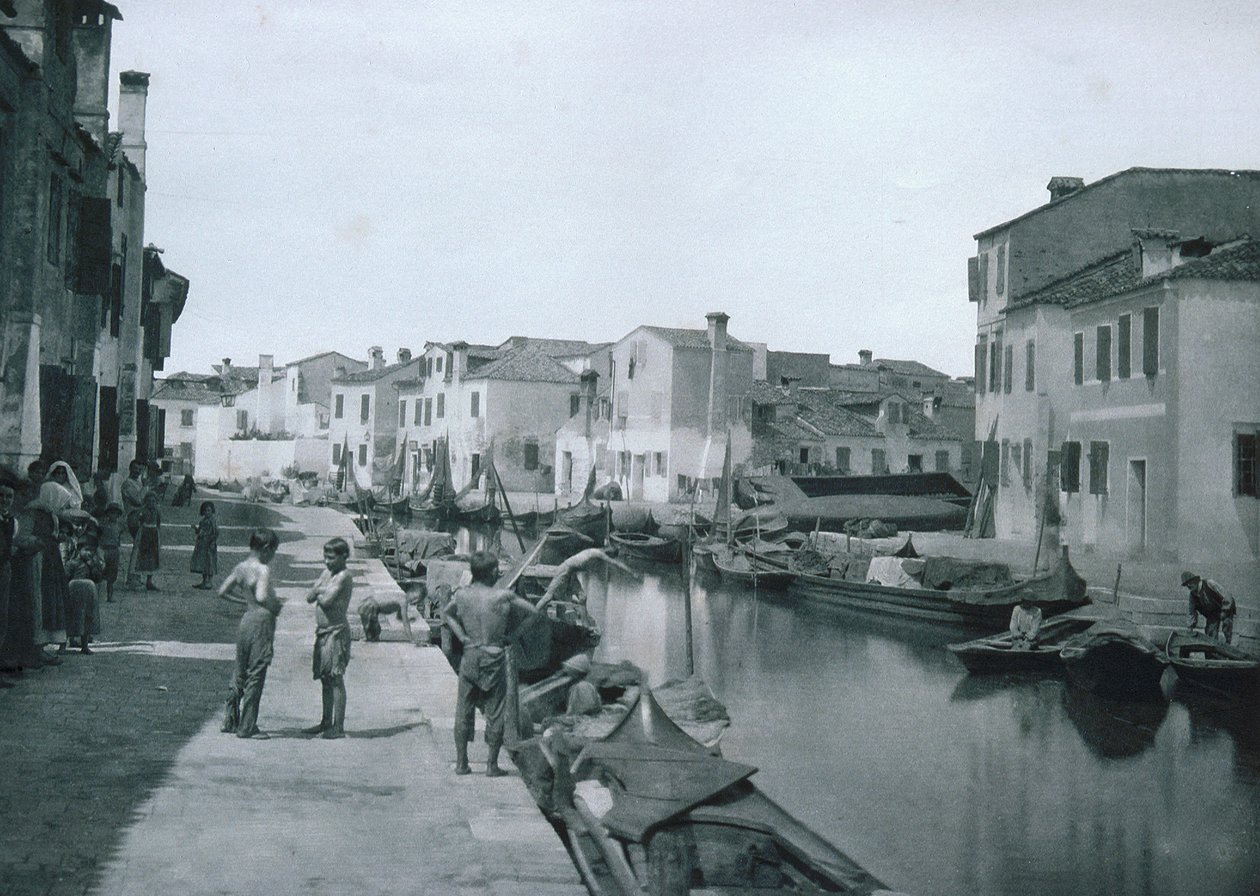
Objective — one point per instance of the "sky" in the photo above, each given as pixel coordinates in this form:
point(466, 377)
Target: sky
point(336, 175)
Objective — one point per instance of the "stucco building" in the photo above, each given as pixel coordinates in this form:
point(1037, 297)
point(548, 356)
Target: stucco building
point(364, 419)
point(1117, 370)
point(674, 394)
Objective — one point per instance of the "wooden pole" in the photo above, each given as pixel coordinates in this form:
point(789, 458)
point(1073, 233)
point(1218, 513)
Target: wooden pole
point(686, 576)
point(1115, 589)
point(507, 506)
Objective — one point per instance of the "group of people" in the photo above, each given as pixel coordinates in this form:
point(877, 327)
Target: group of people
point(61, 553)
point(250, 584)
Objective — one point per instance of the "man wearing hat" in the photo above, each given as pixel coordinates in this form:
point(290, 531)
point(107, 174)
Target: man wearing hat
point(1210, 600)
point(583, 697)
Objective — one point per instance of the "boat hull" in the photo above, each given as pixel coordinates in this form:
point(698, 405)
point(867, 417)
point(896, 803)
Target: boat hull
point(1115, 664)
point(978, 610)
point(997, 653)
point(648, 548)
point(1208, 665)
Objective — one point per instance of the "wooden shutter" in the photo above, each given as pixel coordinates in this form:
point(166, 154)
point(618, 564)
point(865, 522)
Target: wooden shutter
point(1103, 353)
point(1030, 366)
point(1008, 371)
point(1099, 454)
point(1150, 341)
point(95, 244)
point(973, 279)
point(1078, 358)
point(1124, 346)
point(1070, 467)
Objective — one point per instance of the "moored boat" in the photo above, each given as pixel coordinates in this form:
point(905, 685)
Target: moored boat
point(998, 653)
point(651, 548)
point(735, 566)
point(1205, 663)
point(984, 608)
point(1113, 659)
point(708, 823)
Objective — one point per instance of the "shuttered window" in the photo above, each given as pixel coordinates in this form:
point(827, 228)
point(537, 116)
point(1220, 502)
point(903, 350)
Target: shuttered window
point(1078, 358)
point(1000, 285)
point(1124, 346)
point(1006, 463)
point(981, 354)
point(1070, 467)
point(1027, 469)
point(474, 409)
point(942, 461)
point(339, 406)
point(1030, 366)
point(419, 411)
point(1246, 468)
point(1150, 341)
point(1099, 453)
point(1008, 365)
point(365, 408)
point(1102, 346)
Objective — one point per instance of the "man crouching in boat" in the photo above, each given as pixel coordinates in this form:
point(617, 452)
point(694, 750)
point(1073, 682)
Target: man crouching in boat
point(1025, 625)
point(478, 615)
point(1210, 600)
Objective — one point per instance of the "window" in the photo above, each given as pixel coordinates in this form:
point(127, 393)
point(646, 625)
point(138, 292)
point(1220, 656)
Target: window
point(363, 455)
point(995, 360)
point(475, 463)
point(658, 463)
point(402, 413)
point(1008, 368)
point(428, 367)
point(1102, 346)
point(1245, 464)
point(428, 412)
point(1078, 358)
point(982, 350)
point(630, 368)
point(843, 460)
point(984, 277)
point(1123, 346)
point(441, 405)
point(1070, 467)
point(1006, 462)
point(186, 417)
point(531, 456)
point(1000, 286)
point(575, 405)
point(122, 184)
point(878, 463)
point(942, 461)
point(914, 463)
point(1027, 468)
point(439, 364)
point(1030, 366)
point(1098, 454)
point(54, 218)
point(474, 409)
point(419, 412)
point(804, 454)
point(339, 406)
point(242, 421)
point(1150, 341)
point(365, 408)
point(622, 412)
point(336, 454)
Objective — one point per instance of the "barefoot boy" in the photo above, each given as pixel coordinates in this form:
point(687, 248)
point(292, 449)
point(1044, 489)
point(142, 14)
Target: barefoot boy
point(331, 597)
point(250, 584)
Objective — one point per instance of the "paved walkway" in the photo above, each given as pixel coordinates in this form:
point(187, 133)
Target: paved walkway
point(181, 808)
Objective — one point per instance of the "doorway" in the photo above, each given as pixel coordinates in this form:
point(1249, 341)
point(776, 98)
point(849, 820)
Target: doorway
point(1135, 510)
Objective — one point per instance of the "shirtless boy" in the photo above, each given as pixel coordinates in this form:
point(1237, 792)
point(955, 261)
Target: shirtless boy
point(331, 597)
point(250, 584)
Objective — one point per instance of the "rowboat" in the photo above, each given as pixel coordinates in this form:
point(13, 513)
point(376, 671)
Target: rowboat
point(680, 815)
point(1113, 660)
point(737, 567)
point(651, 548)
point(1205, 663)
point(589, 519)
point(981, 608)
point(998, 653)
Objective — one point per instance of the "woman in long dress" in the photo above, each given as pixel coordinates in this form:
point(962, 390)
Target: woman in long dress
point(59, 492)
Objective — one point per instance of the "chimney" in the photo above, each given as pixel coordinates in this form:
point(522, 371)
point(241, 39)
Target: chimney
point(133, 95)
point(456, 358)
point(717, 329)
point(339, 371)
point(590, 379)
point(1060, 187)
point(404, 355)
point(865, 357)
point(377, 356)
point(1158, 251)
point(929, 406)
point(91, 53)
point(227, 367)
point(265, 362)
point(717, 372)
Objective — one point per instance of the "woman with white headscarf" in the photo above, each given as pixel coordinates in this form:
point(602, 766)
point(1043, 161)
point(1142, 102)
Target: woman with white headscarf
point(59, 492)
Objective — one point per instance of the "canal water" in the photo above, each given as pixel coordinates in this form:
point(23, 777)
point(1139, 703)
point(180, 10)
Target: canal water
point(943, 783)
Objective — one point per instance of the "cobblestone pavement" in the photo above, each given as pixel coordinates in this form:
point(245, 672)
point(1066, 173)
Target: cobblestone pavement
point(116, 779)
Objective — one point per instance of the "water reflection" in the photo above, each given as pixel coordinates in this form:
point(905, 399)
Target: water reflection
point(940, 783)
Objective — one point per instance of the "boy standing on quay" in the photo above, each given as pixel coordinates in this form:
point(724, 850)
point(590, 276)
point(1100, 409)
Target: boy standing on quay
point(331, 597)
point(250, 584)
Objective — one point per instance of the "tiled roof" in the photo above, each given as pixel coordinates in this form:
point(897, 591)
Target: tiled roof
point(202, 391)
point(910, 368)
point(819, 409)
point(526, 365)
point(319, 355)
point(556, 348)
point(764, 393)
point(681, 338)
point(361, 377)
point(922, 427)
point(1240, 262)
point(1121, 273)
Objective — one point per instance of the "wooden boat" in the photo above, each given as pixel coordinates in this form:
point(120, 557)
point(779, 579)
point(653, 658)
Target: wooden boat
point(983, 609)
point(1113, 660)
point(1205, 663)
point(641, 546)
point(589, 519)
point(737, 567)
point(997, 653)
point(682, 817)
point(560, 543)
